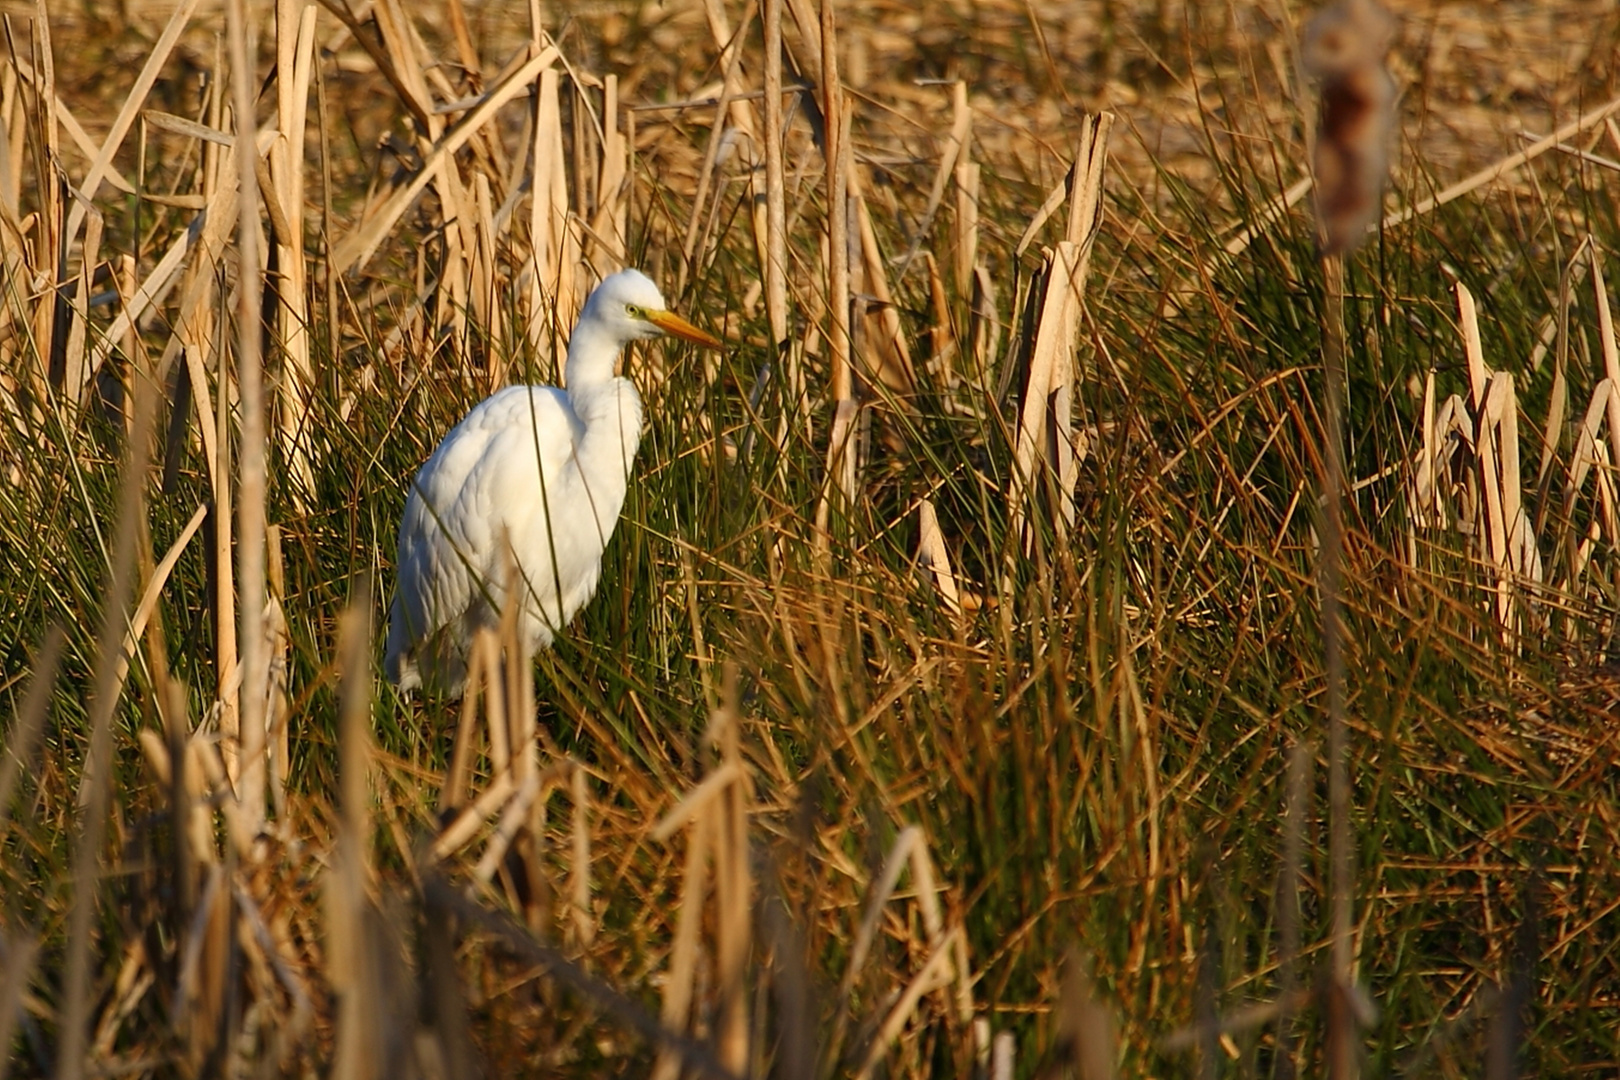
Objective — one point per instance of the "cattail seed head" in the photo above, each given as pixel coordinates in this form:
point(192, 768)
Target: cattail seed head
point(1344, 48)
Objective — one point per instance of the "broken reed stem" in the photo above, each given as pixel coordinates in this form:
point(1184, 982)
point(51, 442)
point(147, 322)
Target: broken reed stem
point(97, 777)
point(250, 508)
point(1341, 1024)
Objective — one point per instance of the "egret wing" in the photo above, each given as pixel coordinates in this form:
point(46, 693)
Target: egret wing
point(474, 492)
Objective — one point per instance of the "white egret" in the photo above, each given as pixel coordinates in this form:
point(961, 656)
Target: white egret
point(543, 469)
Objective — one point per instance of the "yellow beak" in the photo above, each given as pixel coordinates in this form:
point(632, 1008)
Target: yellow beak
point(671, 323)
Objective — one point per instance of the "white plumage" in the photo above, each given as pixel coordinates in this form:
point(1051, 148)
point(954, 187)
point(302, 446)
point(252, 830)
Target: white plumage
point(542, 468)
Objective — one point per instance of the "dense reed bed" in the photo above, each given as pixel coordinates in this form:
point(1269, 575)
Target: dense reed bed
point(954, 700)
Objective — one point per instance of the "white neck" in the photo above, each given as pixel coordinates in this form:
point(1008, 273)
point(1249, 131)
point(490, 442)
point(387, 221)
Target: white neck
point(591, 354)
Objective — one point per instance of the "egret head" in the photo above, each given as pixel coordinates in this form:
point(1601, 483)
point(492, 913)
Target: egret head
point(627, 306)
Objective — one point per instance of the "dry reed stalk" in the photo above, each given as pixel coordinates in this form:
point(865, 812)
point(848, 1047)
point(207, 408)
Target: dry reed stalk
point(775, 267)
point(966, 225)
point(11, 124)
point(201, 983)
point(985, 324)
point(499, 731)
point(553, 294)
point(1041, 429)
point(942, 333)
point(1493, 535)
point(951, 155)
point(191, 789)
point(466, 824)
point(1085, 1038)
point(836, 112)
point(1046, 417)
point(892, 367)
point(12, 254)
point(741, 114)
point(579, 877)
point(717, 811)
point(485, 274)
point(520, 699)
point(356, 248)
point(1576, 152)
point(1593, 455)
point(459, 776)
point(695, 803)
point(218, 790)
point(130, 110)
point(251, 466)
point(1509, 164)
point(610, 230)
point(17, 957)
point(295, 41)
point(323, 124)
point(137, 302)
point(1271, 214)
point(513, 817)
point(584, 131)
point(29, 724)
point(1289, 885)
point(135, 977)
point(95, 788)
point(227, 660)
point(620, 1008)
point(1506, 535)
point(1555, 333)
point(733, 886)
point(1607, 340)
point(933, 555)
point(74, 380)
point(948, 952)
point(680, 984)
point(934, 974)
point(700, 224)
point(347, 959)
point(153, 592)
point(278, 707)
point(50, 234)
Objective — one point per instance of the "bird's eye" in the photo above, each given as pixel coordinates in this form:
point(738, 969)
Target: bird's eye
point(632, 311)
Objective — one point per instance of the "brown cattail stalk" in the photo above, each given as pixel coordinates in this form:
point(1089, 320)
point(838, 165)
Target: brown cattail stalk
point(1344, 49)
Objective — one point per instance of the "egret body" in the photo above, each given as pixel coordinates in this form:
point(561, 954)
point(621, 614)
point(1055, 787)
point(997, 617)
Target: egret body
point(543, 469)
